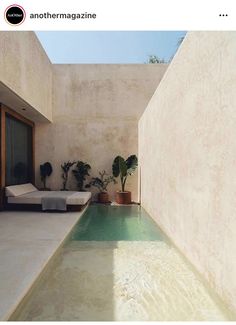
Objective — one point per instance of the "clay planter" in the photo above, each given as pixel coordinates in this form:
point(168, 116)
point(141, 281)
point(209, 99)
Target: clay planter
point(103, 197)
point(123, 197)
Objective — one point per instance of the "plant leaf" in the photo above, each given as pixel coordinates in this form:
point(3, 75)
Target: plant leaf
point(131, 163)
point(119, 167)
point(45, 169)
point(115, 167)
point(123, 167)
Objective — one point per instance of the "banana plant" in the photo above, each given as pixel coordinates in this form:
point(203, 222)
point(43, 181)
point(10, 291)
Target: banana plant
point(124, 168)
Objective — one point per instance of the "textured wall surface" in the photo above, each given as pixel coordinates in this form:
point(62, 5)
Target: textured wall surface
point(96, 109)
point(26, 70)
point(187, 154)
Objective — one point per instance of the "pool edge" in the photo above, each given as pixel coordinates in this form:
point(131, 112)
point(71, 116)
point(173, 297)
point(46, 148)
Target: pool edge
point(10, 313)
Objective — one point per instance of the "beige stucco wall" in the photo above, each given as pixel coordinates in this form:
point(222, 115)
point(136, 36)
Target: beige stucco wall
point(26, 70)
point(187, 153)
point(96, 109)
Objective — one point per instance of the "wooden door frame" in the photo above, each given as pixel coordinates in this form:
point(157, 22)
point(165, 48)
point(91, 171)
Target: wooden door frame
point(3, 111)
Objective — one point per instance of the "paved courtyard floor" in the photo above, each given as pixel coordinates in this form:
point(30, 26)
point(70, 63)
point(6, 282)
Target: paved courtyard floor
point(27, 241)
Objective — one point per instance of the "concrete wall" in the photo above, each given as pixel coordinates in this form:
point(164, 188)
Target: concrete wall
point(187, 153)
point(96, 109)
point(26, 70)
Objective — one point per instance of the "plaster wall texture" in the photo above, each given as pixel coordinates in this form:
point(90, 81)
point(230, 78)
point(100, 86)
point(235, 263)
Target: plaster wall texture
point(187, 154)
point(26, 70)
point(96, 109)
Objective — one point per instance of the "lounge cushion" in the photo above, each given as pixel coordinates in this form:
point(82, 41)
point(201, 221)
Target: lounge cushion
point(16, 190)
point(73, 198)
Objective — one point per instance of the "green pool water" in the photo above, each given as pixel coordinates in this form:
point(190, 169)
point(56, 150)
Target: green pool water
point(115, 223)
point(117, 265)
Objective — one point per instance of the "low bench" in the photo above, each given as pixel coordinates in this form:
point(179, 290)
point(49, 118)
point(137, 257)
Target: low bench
point(28, 197)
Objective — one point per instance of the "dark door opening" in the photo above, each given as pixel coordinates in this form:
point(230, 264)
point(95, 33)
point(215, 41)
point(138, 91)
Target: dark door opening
point(17, 150)
point(19, 162)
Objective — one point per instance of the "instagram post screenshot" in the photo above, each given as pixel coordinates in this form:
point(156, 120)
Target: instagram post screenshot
point(118, 161)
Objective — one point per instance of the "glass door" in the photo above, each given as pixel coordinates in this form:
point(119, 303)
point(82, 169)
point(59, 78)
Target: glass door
point(19, 155)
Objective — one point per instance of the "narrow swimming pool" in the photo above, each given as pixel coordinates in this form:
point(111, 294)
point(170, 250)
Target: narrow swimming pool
point(117, 265)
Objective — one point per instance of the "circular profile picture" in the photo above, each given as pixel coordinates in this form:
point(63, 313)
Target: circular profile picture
point(15, 14)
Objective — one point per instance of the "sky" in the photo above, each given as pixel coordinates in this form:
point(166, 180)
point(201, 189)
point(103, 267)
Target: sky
point(109, 46)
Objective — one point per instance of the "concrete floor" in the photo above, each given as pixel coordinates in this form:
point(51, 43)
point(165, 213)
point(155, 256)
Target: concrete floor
point(27, 241)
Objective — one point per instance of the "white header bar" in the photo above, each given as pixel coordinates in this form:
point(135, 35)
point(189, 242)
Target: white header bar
point(122, 15)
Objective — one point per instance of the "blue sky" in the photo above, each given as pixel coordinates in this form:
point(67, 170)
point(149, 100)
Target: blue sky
point(109, 46)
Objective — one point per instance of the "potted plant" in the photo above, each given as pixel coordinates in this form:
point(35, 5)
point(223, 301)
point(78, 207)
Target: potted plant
point(124, 168)
point(102, 183)
point(65, 172)
point(80, 173)
point(45, 171)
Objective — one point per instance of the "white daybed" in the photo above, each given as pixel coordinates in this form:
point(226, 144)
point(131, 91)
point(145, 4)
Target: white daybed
point(27, 196)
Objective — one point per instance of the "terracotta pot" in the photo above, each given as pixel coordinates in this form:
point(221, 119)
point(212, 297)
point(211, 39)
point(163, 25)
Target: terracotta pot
point(103, 197)
point(123, 197)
